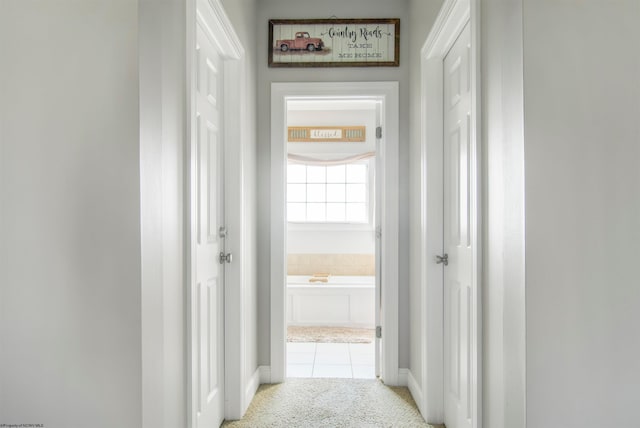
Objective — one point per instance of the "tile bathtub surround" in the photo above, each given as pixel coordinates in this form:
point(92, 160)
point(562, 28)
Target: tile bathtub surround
point(333, 264)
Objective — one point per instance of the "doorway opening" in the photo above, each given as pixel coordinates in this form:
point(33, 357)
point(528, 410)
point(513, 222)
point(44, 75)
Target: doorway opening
point(376, 212)
point(331, 310)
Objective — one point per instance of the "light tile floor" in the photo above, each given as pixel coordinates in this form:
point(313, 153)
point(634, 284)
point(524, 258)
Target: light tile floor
point(331, 360)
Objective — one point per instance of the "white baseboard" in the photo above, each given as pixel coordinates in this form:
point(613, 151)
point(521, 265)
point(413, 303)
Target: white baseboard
point(250, 390)
point(265, 374)
point(416, 391)
point(403, 377)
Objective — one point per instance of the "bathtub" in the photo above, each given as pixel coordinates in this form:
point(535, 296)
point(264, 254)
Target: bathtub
point(343, 301)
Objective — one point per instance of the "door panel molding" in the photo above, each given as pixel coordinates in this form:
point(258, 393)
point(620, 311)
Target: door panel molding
point(454, 16)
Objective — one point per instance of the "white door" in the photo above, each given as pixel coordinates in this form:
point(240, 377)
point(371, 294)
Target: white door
point(457, 236)
point(207, 298)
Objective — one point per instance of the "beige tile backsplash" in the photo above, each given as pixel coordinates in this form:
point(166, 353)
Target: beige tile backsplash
point(333, 264)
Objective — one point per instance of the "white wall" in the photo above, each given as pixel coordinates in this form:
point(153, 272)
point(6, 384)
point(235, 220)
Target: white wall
point(504, 264)
point(582, 148)
point(269, 9)
point(567, 118)
point(422, 16)
point(91, 192)
point(70, 328)
point(162, 26)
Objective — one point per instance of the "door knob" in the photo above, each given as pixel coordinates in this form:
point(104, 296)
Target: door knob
point(444, 259)
point(225, 258)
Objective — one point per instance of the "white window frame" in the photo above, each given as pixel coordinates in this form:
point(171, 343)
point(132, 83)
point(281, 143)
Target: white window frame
point(345, 225)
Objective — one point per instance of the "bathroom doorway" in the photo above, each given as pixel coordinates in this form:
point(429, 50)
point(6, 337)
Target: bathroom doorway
point(331, 310)
point(378, 208)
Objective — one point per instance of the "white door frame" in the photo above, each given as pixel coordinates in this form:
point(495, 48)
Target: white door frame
point(211, 16)
point(280, 94)
point(453, 17)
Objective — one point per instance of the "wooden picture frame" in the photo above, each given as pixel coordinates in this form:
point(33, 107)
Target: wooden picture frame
point(327, 134)
point(334, 42)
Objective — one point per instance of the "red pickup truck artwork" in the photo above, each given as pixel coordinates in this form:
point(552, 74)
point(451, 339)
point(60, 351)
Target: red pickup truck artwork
point(301, 42)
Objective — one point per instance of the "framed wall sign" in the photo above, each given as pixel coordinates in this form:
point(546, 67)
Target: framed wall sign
point(334, 42)
point(334, 134)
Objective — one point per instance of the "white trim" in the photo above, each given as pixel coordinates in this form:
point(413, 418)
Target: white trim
point(222, 33)
point(235, 243)
point(210, 15)
point(380, 91)
point(251, 388)
point(477, 218)
point(453, 17)
point(189, 205)
point(162, 92)
point(278, 236)
point(403, 377)
point(416, 391)
point(265, 374)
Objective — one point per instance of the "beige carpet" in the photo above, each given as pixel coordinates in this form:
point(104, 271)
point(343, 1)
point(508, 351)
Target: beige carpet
point(326, 403)
point(329, 334)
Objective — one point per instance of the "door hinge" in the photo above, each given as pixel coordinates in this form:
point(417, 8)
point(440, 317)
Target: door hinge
point(444, 259)
point(379, 232)
point(379, 332)
point(379, 132)
point(225, 258)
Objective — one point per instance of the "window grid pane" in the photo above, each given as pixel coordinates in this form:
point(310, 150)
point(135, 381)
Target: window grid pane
point(356, 212)
point(357, 173)
point(336, 193)
point(296, 192)
point(316, 212)
point(336, 212)
point(316, 174)
point(296, 212)
point(296, 174)
point(356, 193)
point(318, 194)
point(336, 174)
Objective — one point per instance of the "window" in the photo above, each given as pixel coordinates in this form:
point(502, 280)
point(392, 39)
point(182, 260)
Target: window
point(328, 194)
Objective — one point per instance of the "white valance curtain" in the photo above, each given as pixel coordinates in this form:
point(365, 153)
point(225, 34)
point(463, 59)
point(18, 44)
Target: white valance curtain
point(307, 160)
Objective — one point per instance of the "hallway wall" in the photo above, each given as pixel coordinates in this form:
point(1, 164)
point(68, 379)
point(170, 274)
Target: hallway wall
point(561, 139)
point(503, 287)
point(92, 129)
point(271, 9)
point(582, 149)
point(70, 327)
point(162, 25)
